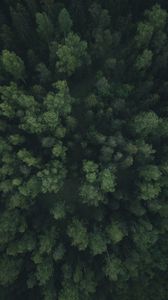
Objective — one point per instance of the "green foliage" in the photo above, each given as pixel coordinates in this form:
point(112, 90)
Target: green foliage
point(78, 234)
point(115, 232)
point(144, 60)
point(69, 292)
point(90, 169)
point(91, 195)
point(144, 34)
point(9, 270)
point(145, 236)
point(157, 16)
point(72, 54)
point(58, 211)
point(44, 27)
point(83, 150)
point(107, 181)
point(51, 177)
point(27, 158)
point(44, 271)
point(113, 268)
point(13, 65)
point(103, 86)
point(44, 73)
point(97, 243)
point(65, 21)
point(146, 123)
point(85, 280)
point(59, 253)
point(150, 172)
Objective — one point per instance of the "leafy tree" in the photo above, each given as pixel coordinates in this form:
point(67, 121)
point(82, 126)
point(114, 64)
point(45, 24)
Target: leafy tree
point(91, 169)
point(13, 65)
point(144, 60)
point(97, 243)
point(10, 269)
point(146, 123)
point(107, 180)
point(44, 26)
point(157, 16)
point(78, 233)
point(65, 21)
point(144, 34)
point(113, 268)
point(115, 232)
point(72, 54)
point(83, 150)
point(43, 73)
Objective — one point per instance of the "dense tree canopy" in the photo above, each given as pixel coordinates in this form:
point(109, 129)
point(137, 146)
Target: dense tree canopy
point(83, 150)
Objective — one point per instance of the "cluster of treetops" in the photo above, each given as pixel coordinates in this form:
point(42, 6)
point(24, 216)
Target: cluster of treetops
point(84, 150)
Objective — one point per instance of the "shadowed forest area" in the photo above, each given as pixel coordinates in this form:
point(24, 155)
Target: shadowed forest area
point(84, 150)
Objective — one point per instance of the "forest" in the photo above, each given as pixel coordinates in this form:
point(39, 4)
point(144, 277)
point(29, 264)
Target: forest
point(83, 150)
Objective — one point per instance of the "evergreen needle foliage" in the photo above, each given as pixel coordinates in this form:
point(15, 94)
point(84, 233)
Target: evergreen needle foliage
point(83, 150)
